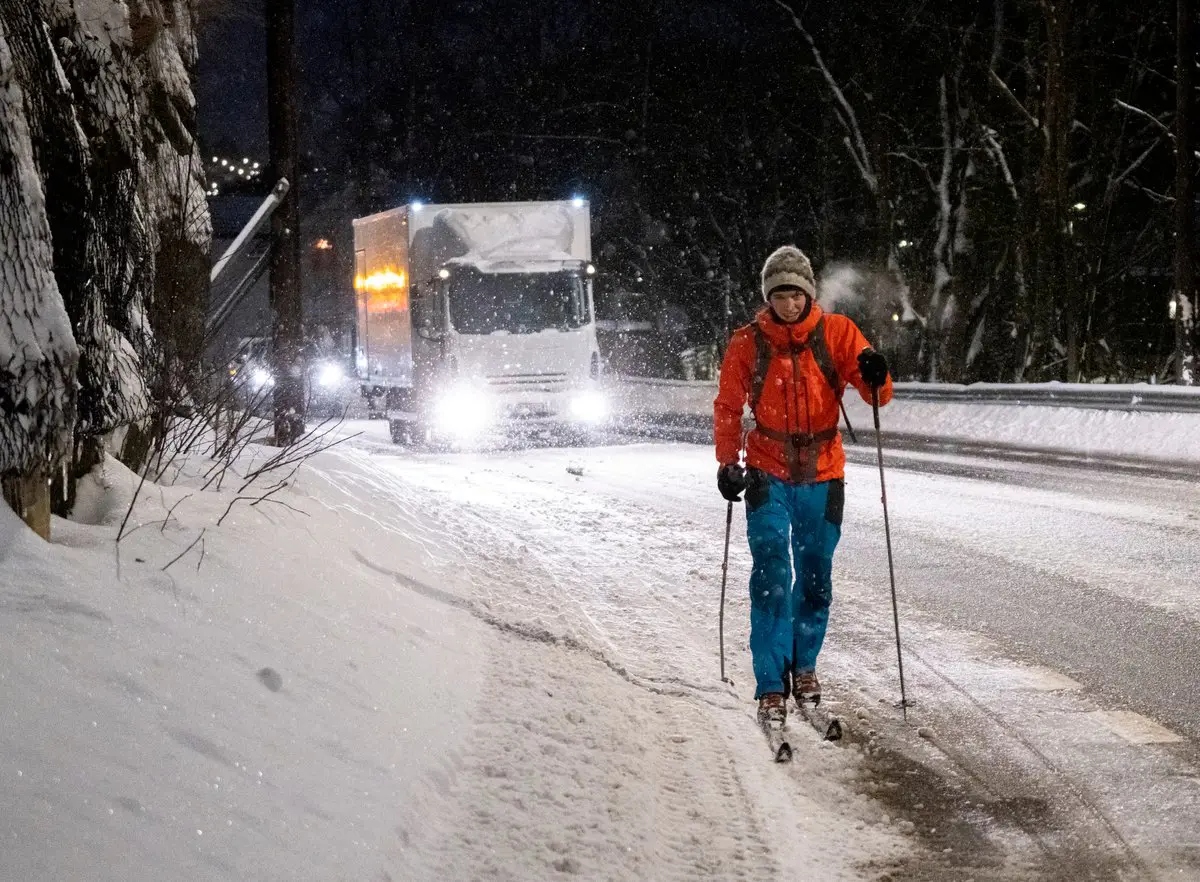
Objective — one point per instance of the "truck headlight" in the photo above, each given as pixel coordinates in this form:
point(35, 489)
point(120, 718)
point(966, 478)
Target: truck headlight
point(330, 374)
point(260, 378)
point(462, 413)
point(590, 407)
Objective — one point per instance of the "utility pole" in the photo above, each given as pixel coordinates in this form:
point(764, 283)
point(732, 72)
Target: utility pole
point(287, 308)
point(1185, 303)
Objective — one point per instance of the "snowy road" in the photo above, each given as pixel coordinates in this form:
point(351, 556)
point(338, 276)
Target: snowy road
point(504, 666)
point(1051, 620)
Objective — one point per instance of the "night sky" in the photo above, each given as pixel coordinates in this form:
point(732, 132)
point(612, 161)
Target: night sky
point(489, 36)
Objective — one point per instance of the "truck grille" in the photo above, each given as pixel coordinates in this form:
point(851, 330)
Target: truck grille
point(528, 382)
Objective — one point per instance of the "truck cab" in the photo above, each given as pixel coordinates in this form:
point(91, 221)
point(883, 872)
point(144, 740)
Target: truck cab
point(498, 337)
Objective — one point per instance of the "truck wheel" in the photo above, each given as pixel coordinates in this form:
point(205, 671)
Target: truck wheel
point(398, 399)
point(401, 431)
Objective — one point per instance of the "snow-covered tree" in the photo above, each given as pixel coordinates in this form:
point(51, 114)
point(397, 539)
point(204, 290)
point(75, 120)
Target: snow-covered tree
point(108, 107)
point(38, 355)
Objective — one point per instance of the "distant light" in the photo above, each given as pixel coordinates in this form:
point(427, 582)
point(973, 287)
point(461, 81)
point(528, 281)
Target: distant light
point(245, 160)
point(895, 317)
point(1172, 308)
point(241, 171)
point(323, 245)
point(225, 162)
point(443, 273)
point(416, 205)
point(591, 270)
point(1079, 206)
point(578, 201)
point(904, 243)
point(216, 159)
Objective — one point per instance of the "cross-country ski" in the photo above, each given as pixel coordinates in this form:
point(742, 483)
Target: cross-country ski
point(778, 740)
point(826, 723)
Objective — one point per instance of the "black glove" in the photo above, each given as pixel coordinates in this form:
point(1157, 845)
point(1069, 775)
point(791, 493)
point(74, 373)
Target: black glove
point(731, 481)
point(873, 367)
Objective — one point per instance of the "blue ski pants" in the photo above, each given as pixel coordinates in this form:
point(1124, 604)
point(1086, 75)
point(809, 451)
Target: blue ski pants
point(791, 528)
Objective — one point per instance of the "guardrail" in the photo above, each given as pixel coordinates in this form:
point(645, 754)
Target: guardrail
point(1132, 397)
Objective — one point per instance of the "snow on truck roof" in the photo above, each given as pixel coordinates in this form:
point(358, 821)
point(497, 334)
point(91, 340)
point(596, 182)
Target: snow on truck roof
point(417, 208)
point(517, 263)
point(491, 236)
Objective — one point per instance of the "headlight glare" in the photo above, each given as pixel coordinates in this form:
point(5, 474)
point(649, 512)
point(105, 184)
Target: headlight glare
point(330, 374)
point(590, 407)
point(462, 413)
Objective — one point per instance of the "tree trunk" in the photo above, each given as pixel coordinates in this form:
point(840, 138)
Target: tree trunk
point(1185, 162)
point(29, 496)
point(286, 304)
point(1055, 293)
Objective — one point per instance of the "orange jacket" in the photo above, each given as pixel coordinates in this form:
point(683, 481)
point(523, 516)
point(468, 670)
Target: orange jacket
point(796, 397)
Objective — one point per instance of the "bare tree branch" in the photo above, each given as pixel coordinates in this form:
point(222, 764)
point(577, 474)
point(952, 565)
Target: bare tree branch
point(521, 136)
point(1137, 111)
point(185, 551)
point(1021, 109)
point(171, 511)
point(1119, 179)
point(255, 500)
point(856, 147)
point(997, 153)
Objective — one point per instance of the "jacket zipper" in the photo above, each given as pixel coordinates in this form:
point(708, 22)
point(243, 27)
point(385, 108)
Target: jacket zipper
point(795, 386)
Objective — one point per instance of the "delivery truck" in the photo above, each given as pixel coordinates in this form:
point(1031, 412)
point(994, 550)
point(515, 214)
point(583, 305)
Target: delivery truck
point(478, 320)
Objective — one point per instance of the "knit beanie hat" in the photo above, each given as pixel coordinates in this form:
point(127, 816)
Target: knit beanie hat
point(787, 266)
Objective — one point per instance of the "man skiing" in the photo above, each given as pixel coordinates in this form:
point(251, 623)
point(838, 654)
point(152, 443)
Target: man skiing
point(791, 365)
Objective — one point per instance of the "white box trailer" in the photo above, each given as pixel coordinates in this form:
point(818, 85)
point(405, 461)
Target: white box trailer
point(478, 319)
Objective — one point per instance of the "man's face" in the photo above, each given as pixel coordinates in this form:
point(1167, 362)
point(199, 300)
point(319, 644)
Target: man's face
point(788, 303)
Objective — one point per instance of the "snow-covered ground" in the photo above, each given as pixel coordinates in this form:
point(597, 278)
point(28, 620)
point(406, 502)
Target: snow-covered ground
point(504, 665)
point(411, 671)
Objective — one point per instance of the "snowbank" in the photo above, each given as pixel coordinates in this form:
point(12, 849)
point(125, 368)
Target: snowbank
point(1171, 437)
point(266, 708)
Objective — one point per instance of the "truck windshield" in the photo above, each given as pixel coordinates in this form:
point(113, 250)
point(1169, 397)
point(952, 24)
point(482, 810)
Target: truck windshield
point(519, 303)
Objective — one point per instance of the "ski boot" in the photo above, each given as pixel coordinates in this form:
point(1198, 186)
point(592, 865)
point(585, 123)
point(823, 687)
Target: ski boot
point(772, 710)
point(806, 688)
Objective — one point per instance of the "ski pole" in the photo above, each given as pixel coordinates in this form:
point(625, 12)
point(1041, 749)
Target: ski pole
point(887, 532)
point(724, 579)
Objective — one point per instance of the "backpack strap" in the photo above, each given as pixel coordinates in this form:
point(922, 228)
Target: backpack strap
point(762, 363)
point(820, 352)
